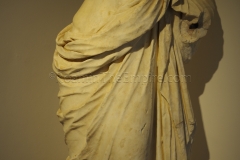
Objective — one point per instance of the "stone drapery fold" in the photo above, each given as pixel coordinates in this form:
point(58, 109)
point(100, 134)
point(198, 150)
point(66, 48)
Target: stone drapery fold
point(119, 97)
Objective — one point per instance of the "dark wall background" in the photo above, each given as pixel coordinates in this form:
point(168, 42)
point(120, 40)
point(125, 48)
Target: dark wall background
point(29, 128)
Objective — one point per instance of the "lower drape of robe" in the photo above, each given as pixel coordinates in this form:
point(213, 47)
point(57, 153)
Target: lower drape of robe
point(122, 114)
point(132, 109)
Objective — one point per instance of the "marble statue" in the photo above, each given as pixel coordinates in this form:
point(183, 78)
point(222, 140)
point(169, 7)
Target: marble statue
point(123, 91)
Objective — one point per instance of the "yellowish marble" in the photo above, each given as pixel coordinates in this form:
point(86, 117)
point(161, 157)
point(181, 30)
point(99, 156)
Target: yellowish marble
point(123, 90)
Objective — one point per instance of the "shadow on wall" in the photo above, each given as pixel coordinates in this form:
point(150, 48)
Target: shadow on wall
point(202, 68)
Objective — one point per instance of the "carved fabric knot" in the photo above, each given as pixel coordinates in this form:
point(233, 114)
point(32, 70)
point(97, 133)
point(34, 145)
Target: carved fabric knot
point(193, 29)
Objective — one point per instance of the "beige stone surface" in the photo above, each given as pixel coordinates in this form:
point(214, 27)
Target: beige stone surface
point(123, 90)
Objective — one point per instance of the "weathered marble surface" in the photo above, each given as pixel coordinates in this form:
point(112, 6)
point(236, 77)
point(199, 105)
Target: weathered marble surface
point(123, 91)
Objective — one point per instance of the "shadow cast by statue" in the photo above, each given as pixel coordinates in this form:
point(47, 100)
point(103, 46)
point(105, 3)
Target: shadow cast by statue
point(202, 68)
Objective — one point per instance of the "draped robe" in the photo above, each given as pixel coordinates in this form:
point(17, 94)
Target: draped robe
point(123, 91)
